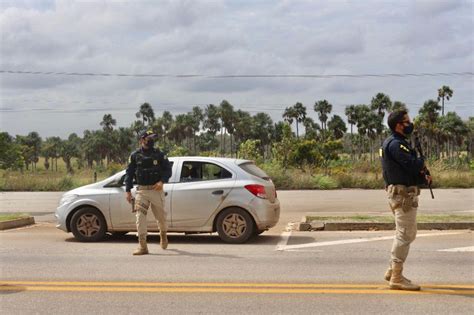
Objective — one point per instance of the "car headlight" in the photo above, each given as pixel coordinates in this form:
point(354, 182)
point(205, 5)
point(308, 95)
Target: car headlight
point(66, 199)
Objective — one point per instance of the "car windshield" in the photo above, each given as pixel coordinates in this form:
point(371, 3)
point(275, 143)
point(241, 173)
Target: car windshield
point(254, 170)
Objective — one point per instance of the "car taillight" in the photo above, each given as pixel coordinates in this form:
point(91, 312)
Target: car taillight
point(257, 190)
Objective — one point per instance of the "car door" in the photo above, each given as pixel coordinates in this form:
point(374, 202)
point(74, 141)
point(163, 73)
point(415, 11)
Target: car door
point(121, 214)
point(201, 188)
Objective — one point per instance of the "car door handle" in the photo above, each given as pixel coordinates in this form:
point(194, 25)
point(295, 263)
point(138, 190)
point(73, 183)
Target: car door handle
point(217, 192)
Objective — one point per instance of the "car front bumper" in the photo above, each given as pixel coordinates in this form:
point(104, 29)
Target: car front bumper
point(61, 217)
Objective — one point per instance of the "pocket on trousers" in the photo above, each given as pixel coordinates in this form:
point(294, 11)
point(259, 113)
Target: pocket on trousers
point(395, 201)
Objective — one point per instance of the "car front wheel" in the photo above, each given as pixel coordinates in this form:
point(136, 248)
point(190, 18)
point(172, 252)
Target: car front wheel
point(88, 225)
point(235, 225)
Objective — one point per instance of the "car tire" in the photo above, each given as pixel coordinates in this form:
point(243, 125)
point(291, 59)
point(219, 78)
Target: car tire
point(235, 225)
point(88, 225)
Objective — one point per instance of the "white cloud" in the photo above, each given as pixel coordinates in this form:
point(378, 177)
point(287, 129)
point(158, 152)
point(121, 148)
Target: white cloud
point(223, 38)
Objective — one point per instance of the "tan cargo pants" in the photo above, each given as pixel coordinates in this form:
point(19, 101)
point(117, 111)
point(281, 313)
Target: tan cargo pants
point(403, 201)
point(146, 198)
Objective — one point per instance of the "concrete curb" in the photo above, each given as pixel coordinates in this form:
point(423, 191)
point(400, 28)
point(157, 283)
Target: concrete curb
point(11, 224)
point(372, 226)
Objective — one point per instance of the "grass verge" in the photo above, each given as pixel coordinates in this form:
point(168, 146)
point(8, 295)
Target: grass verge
point(422, 218)
point(12, 216)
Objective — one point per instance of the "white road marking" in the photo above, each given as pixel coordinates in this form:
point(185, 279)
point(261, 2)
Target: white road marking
point(281, 245)
point(458, 249)
point(285, 236)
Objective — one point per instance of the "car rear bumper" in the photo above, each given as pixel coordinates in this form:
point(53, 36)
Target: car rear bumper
point(267, 213)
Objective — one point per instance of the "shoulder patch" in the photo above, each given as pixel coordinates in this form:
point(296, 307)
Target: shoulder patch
point(404, 148)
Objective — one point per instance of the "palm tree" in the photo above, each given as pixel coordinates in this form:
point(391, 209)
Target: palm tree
point(426, 121)
point(138, 127)
point(350, 112)
point(226, 111)
point(108, 123)
point(337, 126)
point(300, 115)
point(146, 113)
point(211, 119)
point(178, 131)
point(243, 126)
point(167, 122)
point(362, 116)
point(263, 130)
point(70, 148)
point(197, 118)
point(323, 108)
point(444, 92)
point(381, 103)
point(289, 115)
point(123, 145)
point(397, 106)
point(454, 130)
point(311, 128)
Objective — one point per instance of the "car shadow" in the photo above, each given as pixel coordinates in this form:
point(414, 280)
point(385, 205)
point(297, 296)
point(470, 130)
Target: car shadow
point(204, 238)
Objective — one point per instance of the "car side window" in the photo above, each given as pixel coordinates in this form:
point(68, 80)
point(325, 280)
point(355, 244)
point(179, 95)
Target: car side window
point(199, 171)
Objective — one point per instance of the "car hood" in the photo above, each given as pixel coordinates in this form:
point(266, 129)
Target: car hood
point(91, 189)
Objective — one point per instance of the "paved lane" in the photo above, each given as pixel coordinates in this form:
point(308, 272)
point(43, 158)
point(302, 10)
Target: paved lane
point(45, 271)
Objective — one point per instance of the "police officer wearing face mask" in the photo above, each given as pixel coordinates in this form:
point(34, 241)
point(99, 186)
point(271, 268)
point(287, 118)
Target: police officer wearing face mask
point(151, 169)
point(403, 172)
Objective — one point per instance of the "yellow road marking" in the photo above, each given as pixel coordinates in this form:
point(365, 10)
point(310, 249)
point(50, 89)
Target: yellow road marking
point(213, 287)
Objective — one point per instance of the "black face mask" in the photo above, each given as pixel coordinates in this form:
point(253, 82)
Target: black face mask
point(150, 143)
point(407, 130)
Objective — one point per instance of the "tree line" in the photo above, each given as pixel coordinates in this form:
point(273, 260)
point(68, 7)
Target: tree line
point(221, 130)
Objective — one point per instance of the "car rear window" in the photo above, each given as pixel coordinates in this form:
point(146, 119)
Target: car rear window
point(254, 170)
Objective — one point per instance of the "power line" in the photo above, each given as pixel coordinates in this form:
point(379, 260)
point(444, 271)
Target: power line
point(240, 76)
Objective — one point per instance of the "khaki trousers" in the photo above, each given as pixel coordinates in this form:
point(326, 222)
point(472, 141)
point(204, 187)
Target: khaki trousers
point(149, 198)
point(403, 201)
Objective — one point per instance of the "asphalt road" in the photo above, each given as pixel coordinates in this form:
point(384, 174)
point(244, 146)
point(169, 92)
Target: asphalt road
point(45, 271)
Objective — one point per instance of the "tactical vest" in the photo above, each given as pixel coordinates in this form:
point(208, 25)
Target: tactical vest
point(393, 172)
point(149, 167)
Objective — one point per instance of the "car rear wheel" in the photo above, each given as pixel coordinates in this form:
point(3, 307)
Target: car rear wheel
point(235, 225)
point(88, 225)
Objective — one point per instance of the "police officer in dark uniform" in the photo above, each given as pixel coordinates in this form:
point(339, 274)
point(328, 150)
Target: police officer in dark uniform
point(403, 172)
point(151, 169)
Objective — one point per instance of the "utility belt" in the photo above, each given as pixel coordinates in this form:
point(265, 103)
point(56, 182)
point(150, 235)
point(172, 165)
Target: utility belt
point(145, 187)
point(404, 197)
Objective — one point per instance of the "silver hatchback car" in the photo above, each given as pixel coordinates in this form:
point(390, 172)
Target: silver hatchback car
point(232, 197)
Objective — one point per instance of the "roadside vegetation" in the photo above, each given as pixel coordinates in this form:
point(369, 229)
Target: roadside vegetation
point(12, 216)
point(297, 153)
point(420, 218)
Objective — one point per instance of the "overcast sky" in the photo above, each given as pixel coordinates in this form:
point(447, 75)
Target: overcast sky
point(214, 38)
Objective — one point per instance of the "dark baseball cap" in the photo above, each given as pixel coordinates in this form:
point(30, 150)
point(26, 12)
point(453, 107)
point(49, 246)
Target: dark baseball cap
point(148, 133)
